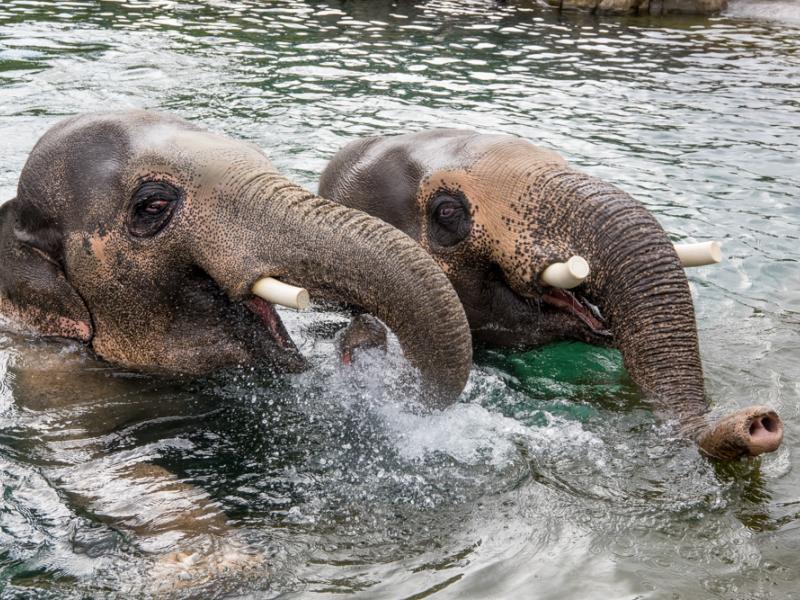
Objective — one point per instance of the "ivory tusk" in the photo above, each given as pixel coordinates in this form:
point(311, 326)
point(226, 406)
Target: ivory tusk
point(697, 255)
point(281, 293)
point(566, 275)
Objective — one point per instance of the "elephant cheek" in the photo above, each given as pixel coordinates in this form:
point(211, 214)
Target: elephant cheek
point(97, 247)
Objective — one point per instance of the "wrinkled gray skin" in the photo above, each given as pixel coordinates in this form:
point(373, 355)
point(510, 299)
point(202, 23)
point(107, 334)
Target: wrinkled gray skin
point(141, 235)
point(495, 211)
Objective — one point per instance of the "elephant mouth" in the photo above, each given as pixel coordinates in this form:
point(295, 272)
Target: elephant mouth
point(231, 331)
point(579, 307)
point(269, 318)
point(522, 320)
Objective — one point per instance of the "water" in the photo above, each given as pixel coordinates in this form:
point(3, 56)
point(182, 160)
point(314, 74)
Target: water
point(550, 479)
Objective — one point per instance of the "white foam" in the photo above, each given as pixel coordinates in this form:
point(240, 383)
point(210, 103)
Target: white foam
point(467, 431)
point(470, 432)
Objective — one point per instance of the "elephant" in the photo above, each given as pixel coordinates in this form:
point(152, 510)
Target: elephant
point(141, 235)
point(495, 211)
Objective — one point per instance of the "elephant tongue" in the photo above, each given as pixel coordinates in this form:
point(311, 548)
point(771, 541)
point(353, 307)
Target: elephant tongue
point(270, 319)
point(568, 302)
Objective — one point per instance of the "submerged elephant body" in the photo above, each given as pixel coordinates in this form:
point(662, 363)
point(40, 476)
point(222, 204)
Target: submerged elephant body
point(141, 235)
point(495, 211)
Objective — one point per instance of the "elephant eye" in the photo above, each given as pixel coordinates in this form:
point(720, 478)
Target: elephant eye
point(446, 212)
point(450, 220)
point(156, 207)
point(153, 204)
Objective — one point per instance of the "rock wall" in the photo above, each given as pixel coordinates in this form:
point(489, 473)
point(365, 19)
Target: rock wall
point(643, 7)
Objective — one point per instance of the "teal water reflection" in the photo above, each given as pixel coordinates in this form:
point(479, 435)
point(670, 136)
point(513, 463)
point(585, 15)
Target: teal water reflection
point(550, 479)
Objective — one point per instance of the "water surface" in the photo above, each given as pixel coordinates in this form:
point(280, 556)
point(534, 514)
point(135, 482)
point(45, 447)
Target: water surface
point(551, 478)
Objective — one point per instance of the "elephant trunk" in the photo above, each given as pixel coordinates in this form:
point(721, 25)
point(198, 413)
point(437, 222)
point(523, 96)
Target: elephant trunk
point(268, 226)
point(640, 285)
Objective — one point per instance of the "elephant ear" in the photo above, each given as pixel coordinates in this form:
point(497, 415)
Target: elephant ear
point(33, 288)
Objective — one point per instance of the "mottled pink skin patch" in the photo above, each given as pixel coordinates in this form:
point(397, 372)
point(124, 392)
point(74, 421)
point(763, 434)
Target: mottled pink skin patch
point(78, 329)
point(98, 244)
point(46, 324)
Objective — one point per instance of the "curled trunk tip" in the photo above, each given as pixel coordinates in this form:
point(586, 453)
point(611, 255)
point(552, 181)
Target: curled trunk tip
point(747, 432)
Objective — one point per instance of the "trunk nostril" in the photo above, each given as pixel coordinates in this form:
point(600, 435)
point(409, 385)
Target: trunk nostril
point(762, 425)
point(747, 432)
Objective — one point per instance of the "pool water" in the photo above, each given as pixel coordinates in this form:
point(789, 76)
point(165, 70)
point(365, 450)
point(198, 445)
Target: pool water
point(550, 478)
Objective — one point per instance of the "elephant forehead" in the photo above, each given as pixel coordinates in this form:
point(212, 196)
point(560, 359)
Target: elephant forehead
point(102, 155)
point(193, 159)
point(169, 140)
point(508, 167)
point(506, 188)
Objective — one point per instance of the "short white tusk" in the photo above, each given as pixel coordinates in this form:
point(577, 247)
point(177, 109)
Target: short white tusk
point(281, 293)
point(566, 275)
point(697, 255)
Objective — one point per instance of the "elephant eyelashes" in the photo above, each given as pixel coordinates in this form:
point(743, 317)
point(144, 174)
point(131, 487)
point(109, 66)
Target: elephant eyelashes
point(450, 220)
point(153, 205)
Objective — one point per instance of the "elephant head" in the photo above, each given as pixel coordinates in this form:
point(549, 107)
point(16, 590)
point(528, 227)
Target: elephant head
point(141, 235)
point(495, 211)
